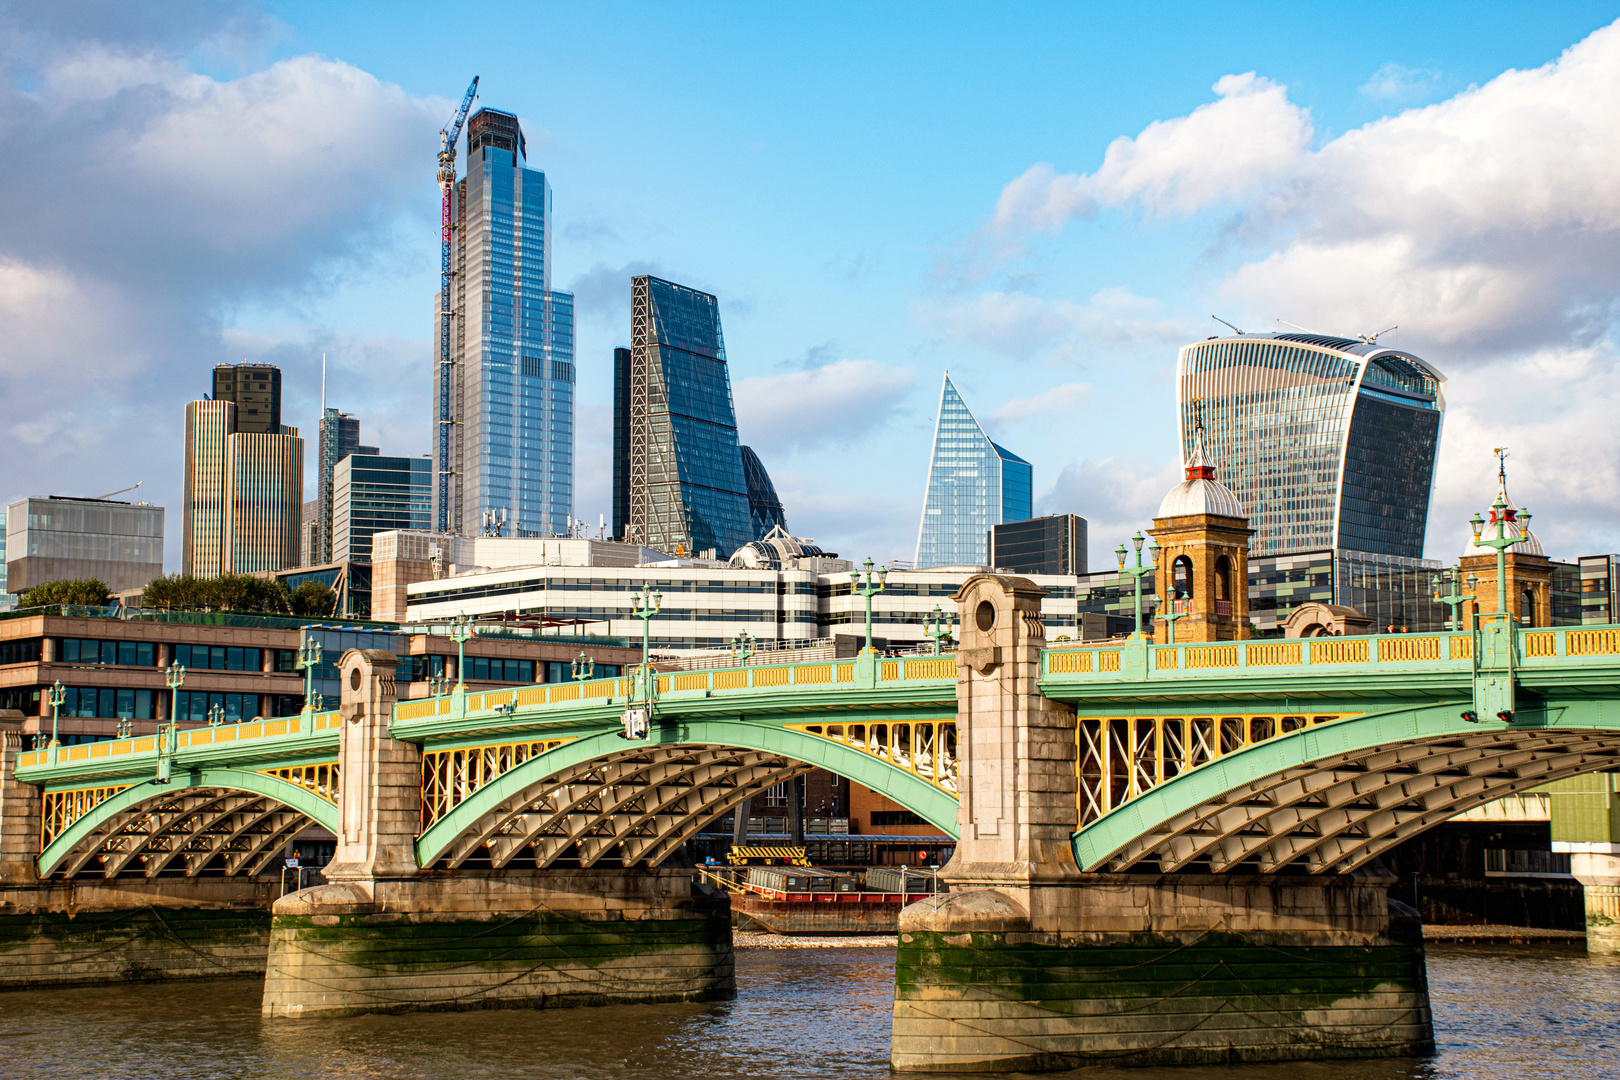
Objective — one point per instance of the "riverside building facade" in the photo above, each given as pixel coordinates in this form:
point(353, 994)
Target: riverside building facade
point(973, 486)
point(511, 407)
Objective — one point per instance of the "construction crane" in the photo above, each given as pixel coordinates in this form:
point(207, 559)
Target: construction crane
point(120, 491)
point(447, 181)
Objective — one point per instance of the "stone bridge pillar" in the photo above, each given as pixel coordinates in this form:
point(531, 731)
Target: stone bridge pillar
point(380, 778)
point(1016, 748)
point(1028, 963)
point(380, 936)
point(19, 809)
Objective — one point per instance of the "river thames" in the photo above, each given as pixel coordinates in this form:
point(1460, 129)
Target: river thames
point(1509, 1012)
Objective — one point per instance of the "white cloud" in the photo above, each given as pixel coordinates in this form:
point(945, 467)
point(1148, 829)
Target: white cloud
point(1250, 135)
point(180, 197)
point(836, 403)
point(1019, 326)
point(1059, 401)
point(1116, 495)
point(1400, 85)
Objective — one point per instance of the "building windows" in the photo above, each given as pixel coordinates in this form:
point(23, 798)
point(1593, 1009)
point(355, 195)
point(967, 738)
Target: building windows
point(490, 669)
point(105, 703)
point(19, 652)
point(194, 705)
point(123, 653)
point(218, 658)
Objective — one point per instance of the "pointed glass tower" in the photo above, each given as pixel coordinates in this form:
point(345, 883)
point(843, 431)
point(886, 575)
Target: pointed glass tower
point(973, 485)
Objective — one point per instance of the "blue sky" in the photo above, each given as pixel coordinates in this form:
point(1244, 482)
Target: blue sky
point(876, 193)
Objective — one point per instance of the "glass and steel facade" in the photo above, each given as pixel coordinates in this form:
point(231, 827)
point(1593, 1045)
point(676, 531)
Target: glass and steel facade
point(1055, 544)
point(375, 493)
point(686, 490)
point(512, 345)
point(339, 437)
point(764, 505)
point(59, 539)
point(1328, 443)
point(973, 486)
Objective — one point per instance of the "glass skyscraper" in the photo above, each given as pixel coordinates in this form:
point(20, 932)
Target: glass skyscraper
point(374, 493)
point(1329, 443)
point(764, 504)
point(973, 486)
point(678, 469)
point(512, 345)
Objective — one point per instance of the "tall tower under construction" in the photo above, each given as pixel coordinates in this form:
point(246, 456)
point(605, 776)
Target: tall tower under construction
point(511, 346)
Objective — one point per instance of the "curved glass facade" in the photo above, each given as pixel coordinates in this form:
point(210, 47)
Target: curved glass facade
point(973, 486)
point(1327, 442)
point(764, 505)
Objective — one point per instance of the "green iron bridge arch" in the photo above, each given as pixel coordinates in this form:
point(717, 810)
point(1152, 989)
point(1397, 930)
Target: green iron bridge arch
point(1270, 755)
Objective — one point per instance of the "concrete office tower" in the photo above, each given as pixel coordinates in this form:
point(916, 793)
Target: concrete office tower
point(264, 493)
point(58, 539)
point(973, 486)
point(255, 390)
point(208, 425)
point(676, 459)
point(1329, 443)
point(374, 493)
point(340, 437)
point(764, 505)
point(511, 407)
point(243, 489)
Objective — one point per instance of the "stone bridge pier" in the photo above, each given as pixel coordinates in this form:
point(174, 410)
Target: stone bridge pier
point(1028, 963)
point(385, 936)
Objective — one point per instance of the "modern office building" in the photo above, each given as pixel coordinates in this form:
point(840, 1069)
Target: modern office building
point(112, 669)
point(244, 489)
point(5, 595)
point(59, 538)
point(764, 505)
point(374, 493)
point(1329, 443)
point(1054, 544)
point(677, 465)
point(973, 486)
point(255, 390)
point(339, 437)
point(510, 413)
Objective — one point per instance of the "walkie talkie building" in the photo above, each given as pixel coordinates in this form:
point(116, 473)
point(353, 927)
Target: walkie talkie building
point(1329, 443)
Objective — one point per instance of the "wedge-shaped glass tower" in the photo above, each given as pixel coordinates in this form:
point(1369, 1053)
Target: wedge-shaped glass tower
point(973, 486)
point(677, 464)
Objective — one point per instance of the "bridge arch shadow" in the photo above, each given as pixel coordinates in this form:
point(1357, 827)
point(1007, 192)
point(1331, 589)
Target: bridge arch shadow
point(232, 822)
point(1329, 799)
point(602, 797)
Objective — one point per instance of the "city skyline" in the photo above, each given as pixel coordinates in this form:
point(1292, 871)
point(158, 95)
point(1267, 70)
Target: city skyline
point(1056, 293)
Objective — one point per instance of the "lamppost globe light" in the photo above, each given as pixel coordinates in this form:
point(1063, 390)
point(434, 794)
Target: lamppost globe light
point(1119, 554)
point(1137, 540)
point(1524, 520)
point(1476, 523)
point(1153, 552)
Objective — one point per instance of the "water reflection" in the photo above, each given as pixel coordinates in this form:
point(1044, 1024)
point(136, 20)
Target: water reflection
point(817, 1014)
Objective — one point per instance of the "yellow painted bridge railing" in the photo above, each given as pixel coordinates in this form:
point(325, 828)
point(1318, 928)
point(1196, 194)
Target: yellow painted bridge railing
point(924, 748)
point(1118, 758)
point(719, 680)
point(1442, 649)
point(105, 751)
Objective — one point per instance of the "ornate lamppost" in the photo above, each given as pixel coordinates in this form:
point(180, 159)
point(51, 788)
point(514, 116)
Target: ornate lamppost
point(174, 676)
point(55, 695)
point(742, 647)
point(584, 667)
point(309, 655)
point(938, 629)
point(216, 714)
point(1137, 573)
point(638, 713)
point(868, 590)
point(462, 633)
point(1453, 599)
point(1500, 517)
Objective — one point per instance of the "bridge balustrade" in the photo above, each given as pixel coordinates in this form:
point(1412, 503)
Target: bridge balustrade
point(926, 749)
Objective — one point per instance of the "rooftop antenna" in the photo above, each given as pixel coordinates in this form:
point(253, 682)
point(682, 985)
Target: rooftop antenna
point(1372, 339)
point(1223, 322)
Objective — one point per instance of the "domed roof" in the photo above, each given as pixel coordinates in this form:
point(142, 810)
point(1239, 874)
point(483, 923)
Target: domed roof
point(1200, 493)
point(776, 550)
point(1512, 526)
